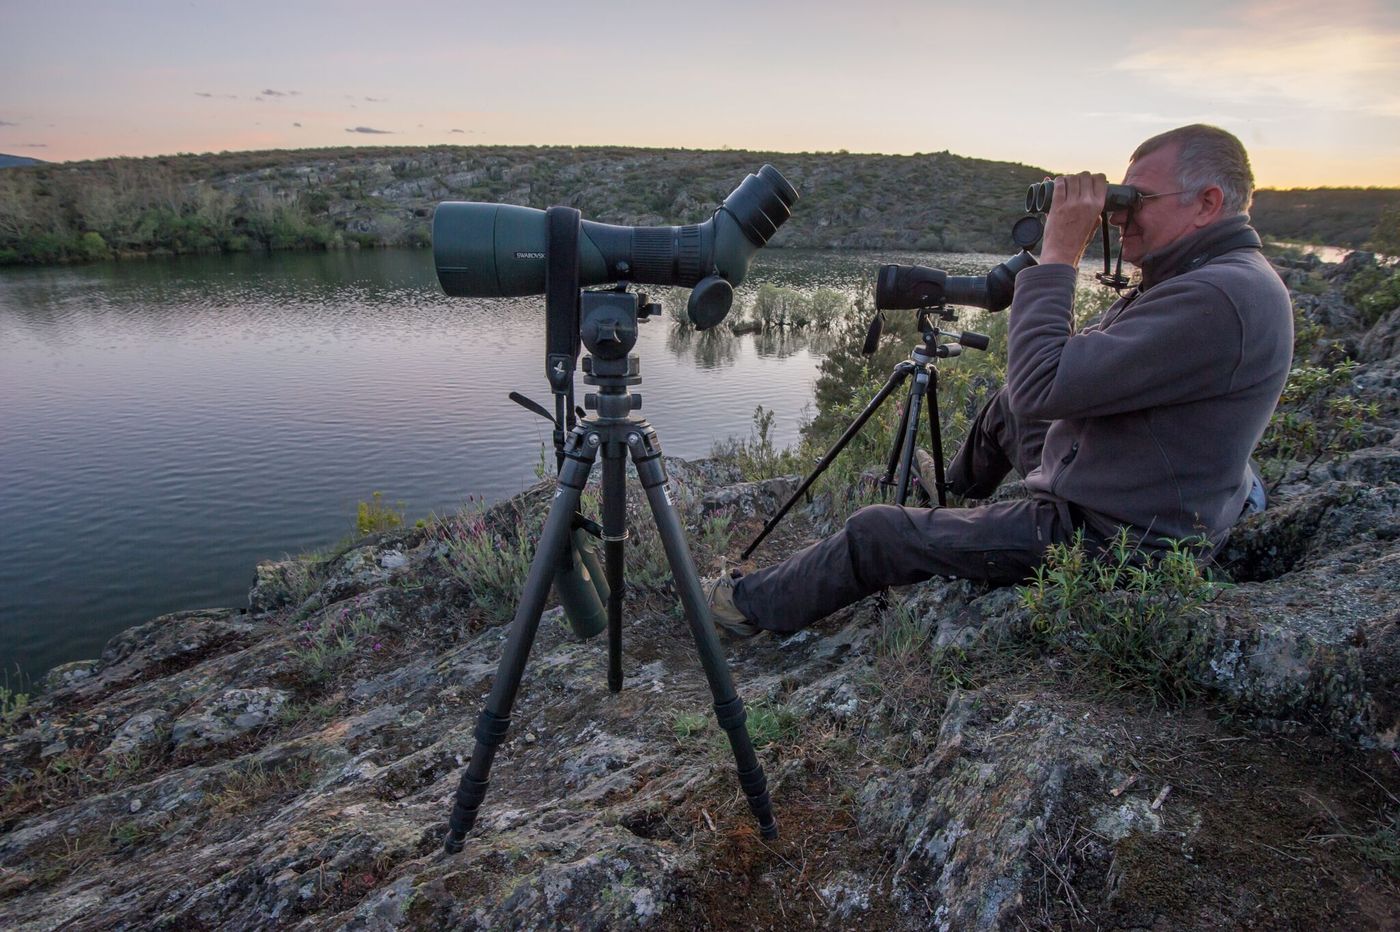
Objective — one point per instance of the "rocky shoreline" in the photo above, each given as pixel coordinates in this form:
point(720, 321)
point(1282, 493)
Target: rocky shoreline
point(933, 763)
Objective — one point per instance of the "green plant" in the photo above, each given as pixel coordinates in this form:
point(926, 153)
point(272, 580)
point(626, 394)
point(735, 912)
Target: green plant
point(375, 516)
point(1317, 418)
point(12, 706)
point(778, 307)
point(770, 722)
point(248, 784)
point(901, 636)
point(757, 456)
point(325, 647)
point(689, 724)
point(1374, 291)
point(490, 555)
point(1133, 616)
point(1385, 236)
point(1090, 301)
point(713, 536)
point(827, 308)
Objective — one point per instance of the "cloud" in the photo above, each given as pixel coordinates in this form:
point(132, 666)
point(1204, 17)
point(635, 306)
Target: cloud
point(7, 123)
point(34, 145)
point(377, 100)
point(216, 96)
point(371, 130)
point(271, 93)
point(1166, 119)
point(298, 125)
point(1338, 57)
point(456, 131)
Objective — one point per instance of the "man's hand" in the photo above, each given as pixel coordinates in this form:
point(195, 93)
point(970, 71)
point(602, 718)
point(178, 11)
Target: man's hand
point(1074, 214)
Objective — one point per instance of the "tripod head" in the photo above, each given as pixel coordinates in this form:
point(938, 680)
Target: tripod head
point(608, 330)
point(954, 340)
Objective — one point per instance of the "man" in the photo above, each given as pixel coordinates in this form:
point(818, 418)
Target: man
point(1144, 420)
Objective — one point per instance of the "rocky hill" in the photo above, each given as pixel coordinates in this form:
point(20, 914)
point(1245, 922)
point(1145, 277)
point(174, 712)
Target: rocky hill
point(334, 198)
point(942, 757)
point(10, 161)
point(338, 197)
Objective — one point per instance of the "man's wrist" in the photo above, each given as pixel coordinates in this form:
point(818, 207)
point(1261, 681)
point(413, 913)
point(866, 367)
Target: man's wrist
point(1052, 256)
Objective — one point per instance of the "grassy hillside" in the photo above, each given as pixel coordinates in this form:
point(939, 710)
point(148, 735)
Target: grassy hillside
point(334, 198)
point(1352, 217)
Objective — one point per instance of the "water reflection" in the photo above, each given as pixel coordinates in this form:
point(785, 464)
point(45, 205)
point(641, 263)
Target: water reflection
point(167, 424)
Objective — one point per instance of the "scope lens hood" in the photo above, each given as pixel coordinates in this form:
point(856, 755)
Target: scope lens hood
point(762, 203)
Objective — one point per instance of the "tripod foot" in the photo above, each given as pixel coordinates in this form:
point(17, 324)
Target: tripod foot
point(732, 718)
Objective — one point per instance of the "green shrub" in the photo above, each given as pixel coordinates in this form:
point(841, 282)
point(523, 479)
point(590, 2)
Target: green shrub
point(1374, 291)
point(489, 555)
point(757, 456)
point(92, 246)
point(324, 648)
point(770, 722)
point(376, 517)
point(1318, 417)
point(1133, 617)
point(12, 706)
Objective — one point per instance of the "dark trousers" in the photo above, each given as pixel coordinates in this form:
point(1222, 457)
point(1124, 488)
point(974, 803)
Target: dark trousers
point(889, 545)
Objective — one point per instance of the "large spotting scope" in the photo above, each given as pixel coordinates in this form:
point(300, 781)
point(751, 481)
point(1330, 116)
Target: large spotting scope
point(499, 250)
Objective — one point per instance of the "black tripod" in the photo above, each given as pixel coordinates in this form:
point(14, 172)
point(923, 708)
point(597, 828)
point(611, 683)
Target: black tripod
point(609, 330)
point(920, 365)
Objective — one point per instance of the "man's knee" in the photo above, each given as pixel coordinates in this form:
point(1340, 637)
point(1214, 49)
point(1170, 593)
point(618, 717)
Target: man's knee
point(881, 541)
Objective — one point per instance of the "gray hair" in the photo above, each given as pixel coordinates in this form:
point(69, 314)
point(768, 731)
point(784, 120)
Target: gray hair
point(1208, 156)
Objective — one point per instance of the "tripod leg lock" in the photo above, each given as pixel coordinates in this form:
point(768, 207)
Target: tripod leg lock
point(470, 793)
point(732, 718)
point(491, 728)
point(731, 714)
point(490, 731)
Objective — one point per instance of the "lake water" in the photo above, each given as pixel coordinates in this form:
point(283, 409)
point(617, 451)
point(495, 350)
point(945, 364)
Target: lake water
point(165, 425)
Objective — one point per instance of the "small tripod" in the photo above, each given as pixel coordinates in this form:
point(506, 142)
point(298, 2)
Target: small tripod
point(920, 365)
point(609, 331)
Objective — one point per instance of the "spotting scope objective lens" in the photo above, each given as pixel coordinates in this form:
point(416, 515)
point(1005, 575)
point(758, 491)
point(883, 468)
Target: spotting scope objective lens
point(911, 287)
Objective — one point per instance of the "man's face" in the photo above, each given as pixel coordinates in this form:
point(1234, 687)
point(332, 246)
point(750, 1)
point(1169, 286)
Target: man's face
point(1159, 221)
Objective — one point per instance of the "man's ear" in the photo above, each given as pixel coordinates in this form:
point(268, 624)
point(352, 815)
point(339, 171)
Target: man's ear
point(1212, 199)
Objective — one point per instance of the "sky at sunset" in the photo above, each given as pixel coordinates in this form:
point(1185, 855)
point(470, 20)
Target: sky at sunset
point(1313, 89)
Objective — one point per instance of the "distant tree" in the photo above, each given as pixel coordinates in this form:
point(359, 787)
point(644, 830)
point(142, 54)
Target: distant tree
point(1385, 238)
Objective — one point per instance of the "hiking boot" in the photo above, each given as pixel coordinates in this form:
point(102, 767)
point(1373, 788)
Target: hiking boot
point(927, 472)
point(719, 593)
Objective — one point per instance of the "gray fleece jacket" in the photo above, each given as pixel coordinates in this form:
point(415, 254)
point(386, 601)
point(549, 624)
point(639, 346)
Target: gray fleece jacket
point(1158, 404)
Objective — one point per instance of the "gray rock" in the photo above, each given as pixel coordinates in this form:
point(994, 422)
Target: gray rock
point(141, 731)
point(1382, 341)
point(234, 713)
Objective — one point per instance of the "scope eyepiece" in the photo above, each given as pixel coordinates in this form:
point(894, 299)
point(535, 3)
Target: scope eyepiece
point(1119, 197)
point(762, 203)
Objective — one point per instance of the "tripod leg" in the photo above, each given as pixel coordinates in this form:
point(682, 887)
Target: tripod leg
point(729, 708)
point(897, 376)
point(494, 720)
point(615, 551)
point(897, 447)
point(910, 441)
point(935, 429)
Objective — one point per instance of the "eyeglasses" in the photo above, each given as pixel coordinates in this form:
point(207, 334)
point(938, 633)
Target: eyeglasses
point(1148, 197)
